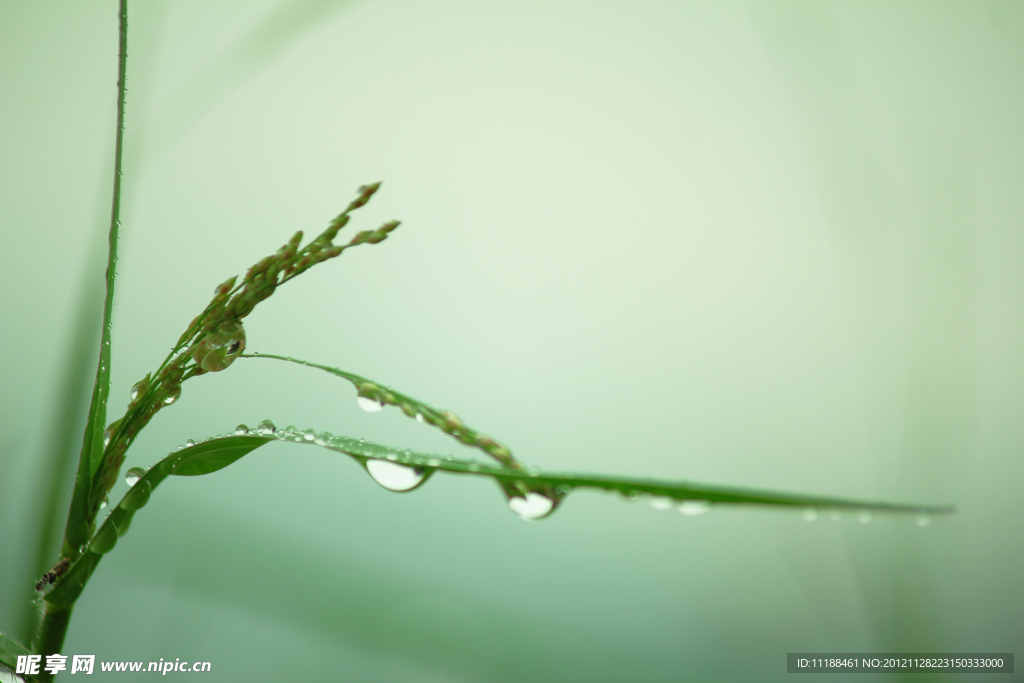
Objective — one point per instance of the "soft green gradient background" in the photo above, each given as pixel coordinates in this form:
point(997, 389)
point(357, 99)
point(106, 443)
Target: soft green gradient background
point(764, 244)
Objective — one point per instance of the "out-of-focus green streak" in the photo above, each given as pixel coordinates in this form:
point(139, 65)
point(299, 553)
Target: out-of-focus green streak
point(64, 431)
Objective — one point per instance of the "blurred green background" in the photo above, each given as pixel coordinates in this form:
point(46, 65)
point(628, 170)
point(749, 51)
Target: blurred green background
point(762, 244)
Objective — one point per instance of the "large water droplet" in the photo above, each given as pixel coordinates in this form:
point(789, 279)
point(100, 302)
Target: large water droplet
point(923, 519)
point(695, 508)
point(242, 430)
point(133, 475)
point(662, 503)
point(137, 497)
point(810, 514)
point(419, 417)
point(308, 435)
point(139, 388)
point(104, 540)
point(266, 427)
point(533, 506)
point(172, 395)
point(370, 405)
point(395, 477)
point(190, 443)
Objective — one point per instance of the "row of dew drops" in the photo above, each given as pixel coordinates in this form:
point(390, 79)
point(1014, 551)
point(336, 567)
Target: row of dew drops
point(397, 477)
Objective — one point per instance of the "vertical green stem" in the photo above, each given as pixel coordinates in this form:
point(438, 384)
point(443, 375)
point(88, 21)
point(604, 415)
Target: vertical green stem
point(77, 530)
point(80, 518)
point(52, 631)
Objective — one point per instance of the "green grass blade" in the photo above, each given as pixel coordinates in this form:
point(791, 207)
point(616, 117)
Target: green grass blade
point(444, 420)
point(218, 452)
point(77, 529)
point(59, 452)
point(10, 650)
point(211, 456)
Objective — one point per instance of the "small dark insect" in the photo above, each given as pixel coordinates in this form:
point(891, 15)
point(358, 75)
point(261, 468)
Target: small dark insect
point(55, 573)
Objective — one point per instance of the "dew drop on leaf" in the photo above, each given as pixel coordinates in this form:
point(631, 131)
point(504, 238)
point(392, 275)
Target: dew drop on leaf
point(662, 503)
point(370, 405)
point(133, 475)
point(531, 506)
point(266, 427)
point(241, 430)
point(104, 502)
point(810, 514)
point(139, 388)
point(190, 443)
point(695, 508)
point(172, 395)
point(309, 435)
point(419, 417)
point(395, 477)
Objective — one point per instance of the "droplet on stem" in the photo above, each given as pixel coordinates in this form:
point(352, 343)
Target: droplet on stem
point(369, 404)
point(172, 394)
point(133, 475)
point(695, 508)
point(532, 506)
point(395, 477)
point(662, 503)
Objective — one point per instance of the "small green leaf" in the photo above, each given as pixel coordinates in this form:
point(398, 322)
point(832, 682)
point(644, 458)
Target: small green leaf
point(10, 650)
point(215, 454)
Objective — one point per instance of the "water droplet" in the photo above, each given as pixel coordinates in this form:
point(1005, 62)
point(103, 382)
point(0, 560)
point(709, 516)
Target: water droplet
point(419, 417)
point(137, 497)
point(105, 502)
point(139, 388)
point(864, 516)
point(133, 475)
point(266, 427)
point(370, 405)
point(241, 430)
point(532, 506)
point(104, 540)
point(309, 435)
point(434, 462)
point(322, 439)
point(395, 477)
point(810, 514)
point(172, 395)
point(108, 433)
point(190, 443)
point(695, 508)
point(923, 519)
point(662, 503)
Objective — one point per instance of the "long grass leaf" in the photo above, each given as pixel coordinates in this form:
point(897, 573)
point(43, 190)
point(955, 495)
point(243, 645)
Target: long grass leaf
point(404, 470)
point(375, 394)
point(77, 529)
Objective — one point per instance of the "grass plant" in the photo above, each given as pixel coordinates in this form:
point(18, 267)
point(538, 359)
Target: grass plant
point(213, 342)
